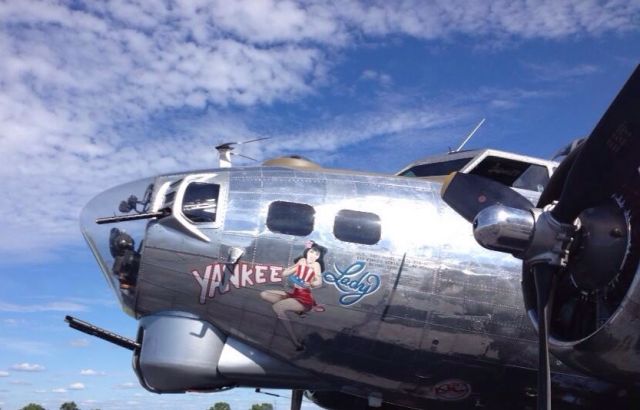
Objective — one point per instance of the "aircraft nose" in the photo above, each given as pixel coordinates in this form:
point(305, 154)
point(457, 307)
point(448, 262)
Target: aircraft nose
point(117, 241)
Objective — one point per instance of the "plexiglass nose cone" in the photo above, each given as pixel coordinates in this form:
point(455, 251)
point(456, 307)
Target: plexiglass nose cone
point(117, 246)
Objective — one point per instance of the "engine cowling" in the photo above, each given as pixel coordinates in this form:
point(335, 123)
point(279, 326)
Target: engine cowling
point(180, 352)
point(595, 319)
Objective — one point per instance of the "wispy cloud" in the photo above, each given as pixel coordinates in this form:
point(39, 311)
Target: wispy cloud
point(557, 71)
point(103, 302)
point(344, 131)
point(505, 99)
point(20, 383)
point(59, 390)
point(127, 386)
point(28, 367)
point(82, 342)
point(77, 386)
point(376, 76)
point(326, 22)
point(61, 306)
point(13, 322)
point(4, 373)
point(24, 346)
point(91, 372)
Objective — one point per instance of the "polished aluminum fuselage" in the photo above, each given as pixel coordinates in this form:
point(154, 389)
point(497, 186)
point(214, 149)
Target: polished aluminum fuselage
point(445, 308)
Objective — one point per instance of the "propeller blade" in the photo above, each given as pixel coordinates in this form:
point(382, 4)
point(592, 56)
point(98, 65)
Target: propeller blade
point(543, 276)
point(296, 399)
point(554, 187)
point(469, 194)
point(607, 157)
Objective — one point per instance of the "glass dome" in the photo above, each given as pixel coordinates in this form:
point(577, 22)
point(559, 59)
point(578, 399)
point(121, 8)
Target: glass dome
point(113, 223)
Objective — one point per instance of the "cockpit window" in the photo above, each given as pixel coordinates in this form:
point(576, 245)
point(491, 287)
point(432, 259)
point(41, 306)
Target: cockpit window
point(291, 218)
point(535, 178)
point(200, 202)
point(436, 169)
point(513, 173)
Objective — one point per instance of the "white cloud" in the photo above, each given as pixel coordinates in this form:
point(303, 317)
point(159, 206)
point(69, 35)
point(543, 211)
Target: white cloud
point(4, 373)
point(344, 131)
point(59, 390)
point(280, 21)
point(556, 71)
point(12, 322)
point(127, 385)
point(82, 342)
point(91, 372)
point(20, 383)
point(76, 386)
point(372, 75)
point(61, 306)
point(521, 18)
point(28, 367)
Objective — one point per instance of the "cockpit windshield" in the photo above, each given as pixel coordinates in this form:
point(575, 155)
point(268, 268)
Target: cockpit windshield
point(436, 168)
point(520, 173)
point(513, 173)
point(117, 242)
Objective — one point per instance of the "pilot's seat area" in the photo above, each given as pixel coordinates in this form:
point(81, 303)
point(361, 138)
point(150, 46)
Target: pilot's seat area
point(126, 261)
point(513, 170)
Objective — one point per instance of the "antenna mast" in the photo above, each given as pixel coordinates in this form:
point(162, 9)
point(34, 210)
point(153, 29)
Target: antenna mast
point(224, 152)
point(470, 135)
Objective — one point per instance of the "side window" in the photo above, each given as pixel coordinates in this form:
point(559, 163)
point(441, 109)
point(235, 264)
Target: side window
point(200, 202)
point(357, 227)
point(291, 218)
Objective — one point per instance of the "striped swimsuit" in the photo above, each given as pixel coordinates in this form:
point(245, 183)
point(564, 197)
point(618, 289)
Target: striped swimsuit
point(303, 295)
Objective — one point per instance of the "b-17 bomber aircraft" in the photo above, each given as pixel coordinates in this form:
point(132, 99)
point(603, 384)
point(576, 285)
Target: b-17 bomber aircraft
point(362, 290)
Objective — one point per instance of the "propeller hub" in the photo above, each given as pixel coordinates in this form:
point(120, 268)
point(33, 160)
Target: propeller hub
point(505, 229)
point(599, 248)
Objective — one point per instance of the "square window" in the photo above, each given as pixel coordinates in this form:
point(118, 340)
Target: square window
point(291, 218)
point(357, 227)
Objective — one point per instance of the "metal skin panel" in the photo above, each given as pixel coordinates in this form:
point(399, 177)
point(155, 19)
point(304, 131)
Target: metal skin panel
point(444, 322)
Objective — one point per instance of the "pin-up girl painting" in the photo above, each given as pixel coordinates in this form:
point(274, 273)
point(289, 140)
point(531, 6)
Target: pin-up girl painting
point(304, 275)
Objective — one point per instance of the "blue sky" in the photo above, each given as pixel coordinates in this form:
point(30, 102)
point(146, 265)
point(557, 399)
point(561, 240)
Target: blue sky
point(93, 94)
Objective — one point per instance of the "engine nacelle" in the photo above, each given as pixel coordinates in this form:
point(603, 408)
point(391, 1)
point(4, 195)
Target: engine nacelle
point(180, 352)
point(612, 352)
point(595, 318)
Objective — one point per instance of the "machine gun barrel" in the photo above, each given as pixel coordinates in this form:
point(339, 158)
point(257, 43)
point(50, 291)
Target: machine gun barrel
point(103, 334)
point(134, 217)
